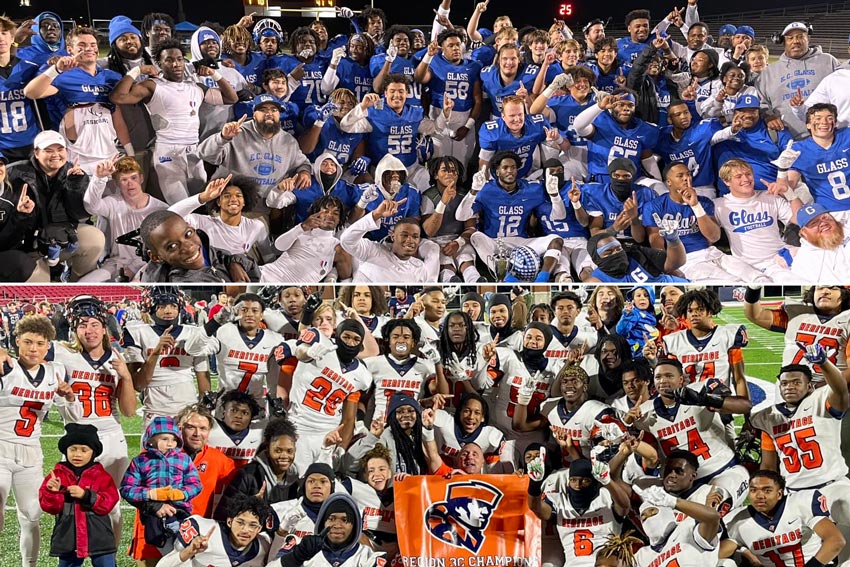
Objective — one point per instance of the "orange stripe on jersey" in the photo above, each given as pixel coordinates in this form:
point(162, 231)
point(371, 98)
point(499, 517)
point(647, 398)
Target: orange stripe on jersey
point(353, 396)
point(736, 355)
point(767, 442)
point(780, 319)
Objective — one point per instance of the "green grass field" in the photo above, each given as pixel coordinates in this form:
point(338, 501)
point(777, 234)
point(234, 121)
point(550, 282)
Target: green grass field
point(762, 356)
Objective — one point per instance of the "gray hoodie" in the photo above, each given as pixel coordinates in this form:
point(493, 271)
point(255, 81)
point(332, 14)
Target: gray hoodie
point(266, 161)
point(779, 82)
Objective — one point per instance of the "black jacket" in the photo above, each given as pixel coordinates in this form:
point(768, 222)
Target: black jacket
point(58, 199)
point(14, 226)
point(249, 481)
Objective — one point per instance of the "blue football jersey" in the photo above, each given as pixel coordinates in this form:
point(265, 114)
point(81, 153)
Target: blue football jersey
point(502, 214)
point(636, 274)
point(310, 90)
point(694, 149)
point(491, 82)
point(289, 117)
point(456, 81)
point(628, 50)
point(495, 136)
point(18, 124)
point(612, 140)
point(754, 146)
point(332, 139)
point(566, 108)
point(345, 192)
point(253, 68)
point(394, 133)
point(568, 227)
point(76, 86)
point(401, 65)
point(354, 77)
point(602, 201)
point(607, 82)
point(666, 208)
point(410, 208)
point(485, 55)
point(826, 170)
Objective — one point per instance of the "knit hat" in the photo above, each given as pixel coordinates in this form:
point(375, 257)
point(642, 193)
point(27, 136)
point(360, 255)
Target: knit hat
point(543, 328)
point(400, 399)
point(746, 30)
point(476, 297)
point(81, 434)
point(322, 469)
point(581, 468)
point(727, 29)
point(622, 163)
point(119, 25)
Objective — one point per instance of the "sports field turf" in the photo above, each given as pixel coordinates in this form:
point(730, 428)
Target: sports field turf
point(762, 357)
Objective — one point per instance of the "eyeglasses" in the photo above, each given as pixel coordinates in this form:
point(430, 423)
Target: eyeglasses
point(242, 524)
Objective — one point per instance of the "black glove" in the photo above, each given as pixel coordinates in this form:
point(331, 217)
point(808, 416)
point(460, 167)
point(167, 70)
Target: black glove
point(209, 400)
point(813, 562)
point(245, 95)
point(276, 408)
point(791, 235)
point(307, 548)
point(689, 397)
point(314, 300)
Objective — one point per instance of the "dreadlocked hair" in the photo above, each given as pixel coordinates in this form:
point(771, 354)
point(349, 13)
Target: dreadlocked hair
point(467, 348)
point(114, 62)
point(411, 458)
point(620, 547)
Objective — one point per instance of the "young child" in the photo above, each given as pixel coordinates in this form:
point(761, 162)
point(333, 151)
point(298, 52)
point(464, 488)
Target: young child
point(80, 493)
point(161, 482)
point(638, 323)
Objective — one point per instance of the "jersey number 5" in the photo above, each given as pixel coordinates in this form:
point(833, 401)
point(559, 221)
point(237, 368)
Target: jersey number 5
point(25, 426)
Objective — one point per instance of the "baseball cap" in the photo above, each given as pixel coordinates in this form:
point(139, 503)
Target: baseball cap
point(795, 26)
point(746, 30)
point(266, 98)
point(747, 101)
point(207, 34)
point(809, 212)
point(727, 29)
point(48, 138)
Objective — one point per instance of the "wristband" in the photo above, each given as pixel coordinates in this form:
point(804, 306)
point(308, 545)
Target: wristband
point(427, 58)
point(470, 124)
point(53, 72)
point(362, 204)
point(216, 76)
point(134, 73)
point(319, 123)
point(129, 149)
point(698, 210)
point(576, 204)
point(752, 295)
point(535, 488)
point(713, 401)
point(440, 208)
point(427, 434)
point(460, 241)
point(548, 91)
point(782, 174)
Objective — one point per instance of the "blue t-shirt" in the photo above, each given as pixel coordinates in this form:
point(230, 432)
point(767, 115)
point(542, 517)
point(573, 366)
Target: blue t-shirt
point(502, 214)
point(607, 82)
point(754, 146)
point(612, 140)
point(255, 63)
point(688, 231)
point(409, 208)
point(455, 80)
point(628, 50)
point(694, 149)
point(826, 170)
point(76, 86)
point(332, 139)
point(495, 136)
point(394, 133)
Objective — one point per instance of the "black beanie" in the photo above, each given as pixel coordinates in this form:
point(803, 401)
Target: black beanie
point(543, 328)
point(81, 434)
point(581, 468)
point(320, 468)
point(341, 505)
point(478, 298)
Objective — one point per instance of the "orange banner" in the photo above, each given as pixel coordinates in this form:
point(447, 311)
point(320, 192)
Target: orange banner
point(466, 521)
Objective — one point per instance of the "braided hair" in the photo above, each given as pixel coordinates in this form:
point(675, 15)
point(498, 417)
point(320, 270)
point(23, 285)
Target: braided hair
point(467, 348)
point(411, 457)
point(620, 547)
point(115, 62)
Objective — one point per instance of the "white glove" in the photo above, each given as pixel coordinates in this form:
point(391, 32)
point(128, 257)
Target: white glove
point(552, 185)
point(610, 431)
point(527, 389)
point(429, 352)
point(337, 55)
point(320, 349)
point(392, 52)
point(600, 470)
point(560, 82)
point(668, 228)
point(787, 158)
point(460, 370)
point(344, 12)
point(479, 179)
point(369, 195)
point(288, 522)
point(536, 468)
point(656, 496)
point(224, 315)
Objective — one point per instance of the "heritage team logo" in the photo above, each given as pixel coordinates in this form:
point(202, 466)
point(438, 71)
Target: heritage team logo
point(462, 519)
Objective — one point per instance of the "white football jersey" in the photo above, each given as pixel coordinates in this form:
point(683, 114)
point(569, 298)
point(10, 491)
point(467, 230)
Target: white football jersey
point(217, 552)
point(409, 377)
point(362, 557)
point(450, 439)
point(801, 324)
point(240, 448)
point(786, 539)
point(561, 345)
point(806, 438)
point(243, 362)
point(94, 382)
point(709, 357)
point(25, 400)
point(583, 534)
point(685, 547)
point(692, 428)
point(175, 364)
point(580, 422)
point(320, 387)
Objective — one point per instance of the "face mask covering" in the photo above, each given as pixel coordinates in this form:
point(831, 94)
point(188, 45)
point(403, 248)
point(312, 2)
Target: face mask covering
point(534, 359)
point(622, 188)
point(347, 353)
point(659, 526)
point(327, 180)
point(581, 499)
